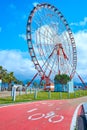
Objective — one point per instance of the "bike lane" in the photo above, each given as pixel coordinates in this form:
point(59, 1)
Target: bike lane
point(41, 115)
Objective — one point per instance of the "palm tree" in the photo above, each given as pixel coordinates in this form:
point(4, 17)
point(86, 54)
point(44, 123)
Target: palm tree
point(0, 72)
point(10, 78)
point(3, 73)
point(6, 77)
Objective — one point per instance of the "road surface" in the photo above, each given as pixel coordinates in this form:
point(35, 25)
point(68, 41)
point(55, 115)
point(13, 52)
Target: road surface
point(40, 115)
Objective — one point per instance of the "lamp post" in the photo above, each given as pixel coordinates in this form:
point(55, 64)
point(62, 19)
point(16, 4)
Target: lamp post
point(0, 84)
point(0, 80)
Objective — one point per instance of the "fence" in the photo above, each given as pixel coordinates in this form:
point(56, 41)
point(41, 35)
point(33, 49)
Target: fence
point(37, 94)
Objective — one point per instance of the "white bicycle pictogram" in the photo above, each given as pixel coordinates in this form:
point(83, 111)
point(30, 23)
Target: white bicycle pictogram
point(50, 116)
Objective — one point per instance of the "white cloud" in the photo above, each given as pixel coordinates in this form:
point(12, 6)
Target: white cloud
point(81, 43)
point(84, 22)
point(35, 4)
point(23, 36)
point(18, 62)
point(81, 23)
point(0, 29)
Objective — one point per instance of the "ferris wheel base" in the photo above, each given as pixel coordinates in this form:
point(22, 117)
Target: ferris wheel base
point(69, 87)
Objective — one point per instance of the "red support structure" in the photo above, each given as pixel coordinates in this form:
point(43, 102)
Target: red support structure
point(81, 80)
point(32, 80)
point(65, 56)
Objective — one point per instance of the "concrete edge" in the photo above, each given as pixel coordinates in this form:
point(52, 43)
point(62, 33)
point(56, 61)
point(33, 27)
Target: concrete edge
point(74, 118)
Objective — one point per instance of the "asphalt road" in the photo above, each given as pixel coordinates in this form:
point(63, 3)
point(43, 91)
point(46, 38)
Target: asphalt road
point(41, 115)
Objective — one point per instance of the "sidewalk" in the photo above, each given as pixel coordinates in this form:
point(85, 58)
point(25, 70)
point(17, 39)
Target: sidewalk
point(8, 93)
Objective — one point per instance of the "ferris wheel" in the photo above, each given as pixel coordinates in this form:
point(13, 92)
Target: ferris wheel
point(51, 43)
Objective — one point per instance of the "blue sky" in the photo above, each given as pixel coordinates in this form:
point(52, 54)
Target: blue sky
point(14, 54)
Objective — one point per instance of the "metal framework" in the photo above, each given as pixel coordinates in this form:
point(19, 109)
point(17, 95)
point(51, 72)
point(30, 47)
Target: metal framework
point(51, 43)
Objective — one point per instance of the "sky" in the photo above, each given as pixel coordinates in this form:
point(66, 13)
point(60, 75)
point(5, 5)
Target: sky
point(14, 55)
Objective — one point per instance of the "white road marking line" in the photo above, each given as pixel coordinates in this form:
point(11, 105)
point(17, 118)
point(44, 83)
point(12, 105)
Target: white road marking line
point(36, 118)
point(59, 120)
point(57, 109)
point(32, 110)
point(50, 104)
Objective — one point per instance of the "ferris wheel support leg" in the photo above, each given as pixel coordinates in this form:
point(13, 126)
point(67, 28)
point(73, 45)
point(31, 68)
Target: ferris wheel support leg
point(81, 79)
point(32, 79)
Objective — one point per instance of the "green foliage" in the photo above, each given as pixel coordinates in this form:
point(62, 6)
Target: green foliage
point(62, 79)
point(8, 77)
point(3, 73)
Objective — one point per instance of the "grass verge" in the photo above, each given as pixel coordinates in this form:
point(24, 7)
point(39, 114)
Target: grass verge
point(43, 96)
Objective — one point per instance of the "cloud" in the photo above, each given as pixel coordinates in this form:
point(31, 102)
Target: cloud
point(17, 62)
point(23, 36)
point(0, 29)
point(35, 4)
point(81, 43)
point(84, 22)
point(81, 23)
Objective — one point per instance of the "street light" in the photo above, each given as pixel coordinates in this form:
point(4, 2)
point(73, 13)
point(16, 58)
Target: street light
point(0, 80)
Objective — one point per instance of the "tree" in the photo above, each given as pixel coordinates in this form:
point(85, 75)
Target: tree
point(10, 78)
point(35, 84)
point(42, 84)
point(16, 81)
point(6, 77)
point(2, 76)
point(2, 72)
point(62, 79)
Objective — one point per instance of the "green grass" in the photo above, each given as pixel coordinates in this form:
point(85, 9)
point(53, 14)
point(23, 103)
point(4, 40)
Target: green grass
point(44, 96)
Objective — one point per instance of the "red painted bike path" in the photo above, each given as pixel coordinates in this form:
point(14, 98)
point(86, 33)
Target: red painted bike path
point(41, 115)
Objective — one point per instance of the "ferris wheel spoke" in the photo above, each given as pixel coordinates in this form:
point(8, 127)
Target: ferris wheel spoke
point(46, 31)
point(55, 28)
point(46, 49)
point(45, 27)
point(43, 20)
point(52, 66)
point(47, 62)
point(48, 58)
point(52, 33)
point(40, 49)
point(40, 45)
point(43, 36)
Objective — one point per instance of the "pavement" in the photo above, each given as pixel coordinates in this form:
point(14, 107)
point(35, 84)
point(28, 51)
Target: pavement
point(8, 93)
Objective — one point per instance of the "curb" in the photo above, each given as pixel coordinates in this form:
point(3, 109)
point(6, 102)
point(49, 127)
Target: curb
point(74, 118)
